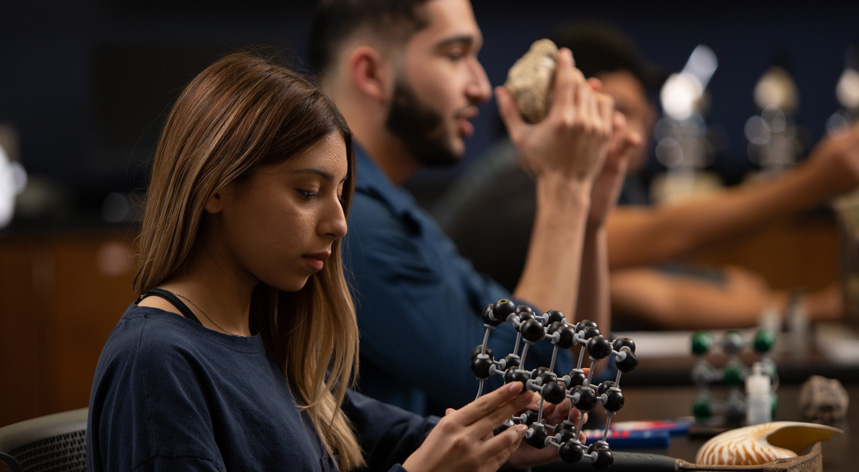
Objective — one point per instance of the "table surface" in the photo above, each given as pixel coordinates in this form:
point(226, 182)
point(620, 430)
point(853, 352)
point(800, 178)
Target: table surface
point(665, 358)
point(661, 388)
point(670, 402)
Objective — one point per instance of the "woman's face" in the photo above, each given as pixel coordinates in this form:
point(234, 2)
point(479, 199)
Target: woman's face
point(279, 226)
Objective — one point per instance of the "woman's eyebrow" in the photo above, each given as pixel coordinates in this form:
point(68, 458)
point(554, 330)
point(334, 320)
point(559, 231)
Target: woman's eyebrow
point(324, 174)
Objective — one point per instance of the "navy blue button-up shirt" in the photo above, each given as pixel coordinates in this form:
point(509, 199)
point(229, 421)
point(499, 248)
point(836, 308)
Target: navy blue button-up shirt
point(419, 302)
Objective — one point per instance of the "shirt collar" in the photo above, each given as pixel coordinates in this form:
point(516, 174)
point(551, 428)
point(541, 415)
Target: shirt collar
point(372, 181)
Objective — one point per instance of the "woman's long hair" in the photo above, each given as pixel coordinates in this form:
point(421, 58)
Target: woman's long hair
point(241, 113)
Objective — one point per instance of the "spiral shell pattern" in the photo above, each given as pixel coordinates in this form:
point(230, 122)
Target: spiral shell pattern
point(750, 445)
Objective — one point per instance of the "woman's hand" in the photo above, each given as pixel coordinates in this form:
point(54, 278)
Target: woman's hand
point(464, 439)
point(528, 456)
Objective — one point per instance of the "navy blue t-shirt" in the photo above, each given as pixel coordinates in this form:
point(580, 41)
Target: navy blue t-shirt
point(170, 394)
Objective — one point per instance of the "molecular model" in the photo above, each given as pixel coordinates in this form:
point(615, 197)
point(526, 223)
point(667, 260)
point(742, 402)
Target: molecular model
point(733, 374)
point(578, 387)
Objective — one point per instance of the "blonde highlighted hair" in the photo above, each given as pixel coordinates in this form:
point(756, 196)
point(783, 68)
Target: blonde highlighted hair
point(242, 113)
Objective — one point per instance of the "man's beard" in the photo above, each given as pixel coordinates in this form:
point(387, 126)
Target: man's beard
point(420, 129)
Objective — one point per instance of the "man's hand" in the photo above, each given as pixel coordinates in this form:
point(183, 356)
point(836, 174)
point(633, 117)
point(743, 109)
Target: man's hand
point(606, 188)
point(572, 141)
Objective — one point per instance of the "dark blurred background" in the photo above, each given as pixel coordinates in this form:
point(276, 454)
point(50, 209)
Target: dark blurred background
point(85, 85)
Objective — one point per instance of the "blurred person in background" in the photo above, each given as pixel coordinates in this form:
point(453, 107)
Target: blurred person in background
point(648, 289)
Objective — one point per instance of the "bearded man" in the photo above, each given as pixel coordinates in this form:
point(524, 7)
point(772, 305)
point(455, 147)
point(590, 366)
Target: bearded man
point(405, 74)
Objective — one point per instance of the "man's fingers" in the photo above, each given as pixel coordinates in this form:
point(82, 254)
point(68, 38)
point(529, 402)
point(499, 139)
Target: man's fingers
point(606, 111)
point(509, 112)
point(563, 92)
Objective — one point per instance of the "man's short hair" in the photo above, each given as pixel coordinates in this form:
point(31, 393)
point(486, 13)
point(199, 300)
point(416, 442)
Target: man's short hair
point(600, 48)
point(392, 21)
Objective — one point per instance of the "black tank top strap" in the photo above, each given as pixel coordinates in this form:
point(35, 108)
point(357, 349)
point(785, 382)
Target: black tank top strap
point(174, 300)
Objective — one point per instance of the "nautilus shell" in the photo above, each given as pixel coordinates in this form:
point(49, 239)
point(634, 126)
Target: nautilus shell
point(759, 444)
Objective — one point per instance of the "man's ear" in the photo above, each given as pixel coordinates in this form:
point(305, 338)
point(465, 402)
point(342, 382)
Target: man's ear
point(371, 72)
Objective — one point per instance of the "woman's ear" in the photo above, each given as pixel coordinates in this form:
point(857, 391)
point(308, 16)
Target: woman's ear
point(370, 72)
point(216, 202)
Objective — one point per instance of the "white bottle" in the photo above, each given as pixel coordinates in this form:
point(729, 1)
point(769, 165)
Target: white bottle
point(799, 330)
point(758, 396)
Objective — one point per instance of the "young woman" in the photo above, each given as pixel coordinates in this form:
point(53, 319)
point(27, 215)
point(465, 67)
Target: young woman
point(241, 349)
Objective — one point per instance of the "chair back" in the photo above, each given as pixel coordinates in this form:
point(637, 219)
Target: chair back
point(49, 443)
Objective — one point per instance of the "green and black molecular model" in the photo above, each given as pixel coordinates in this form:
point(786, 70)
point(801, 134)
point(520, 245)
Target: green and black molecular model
point(734, 374)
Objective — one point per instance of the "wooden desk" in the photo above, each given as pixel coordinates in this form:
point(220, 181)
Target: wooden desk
point(661, 388)
point(797, 252)
point(651, 403)
point(61, 293)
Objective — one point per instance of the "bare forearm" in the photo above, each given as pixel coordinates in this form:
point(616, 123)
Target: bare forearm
point(673, 302)
point(550, 278)
point(676, 230)
point(593, 299)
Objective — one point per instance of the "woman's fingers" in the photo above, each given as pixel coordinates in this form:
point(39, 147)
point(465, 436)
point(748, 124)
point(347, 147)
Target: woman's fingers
point(489, 411)
point(499, 448)
point(486, 404)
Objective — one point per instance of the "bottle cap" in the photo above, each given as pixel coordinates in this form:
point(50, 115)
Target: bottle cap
point(757, 383)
